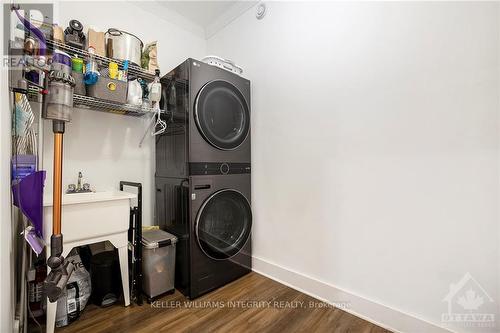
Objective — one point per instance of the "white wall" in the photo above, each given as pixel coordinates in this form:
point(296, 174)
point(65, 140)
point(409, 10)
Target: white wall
point(105, 147)
point(375, 148)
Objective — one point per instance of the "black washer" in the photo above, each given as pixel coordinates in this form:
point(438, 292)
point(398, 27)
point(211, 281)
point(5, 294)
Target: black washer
point(224, 224)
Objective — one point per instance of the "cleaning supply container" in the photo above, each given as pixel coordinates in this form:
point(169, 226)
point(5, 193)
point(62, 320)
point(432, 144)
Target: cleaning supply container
point(158, 263)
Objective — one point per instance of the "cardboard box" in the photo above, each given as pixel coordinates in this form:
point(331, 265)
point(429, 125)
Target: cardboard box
point(96, 39)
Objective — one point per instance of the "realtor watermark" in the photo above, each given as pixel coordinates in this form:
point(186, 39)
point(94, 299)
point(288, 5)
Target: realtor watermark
point(25, 20)
point(469, 304)
point(26, 29)
point(247, 304)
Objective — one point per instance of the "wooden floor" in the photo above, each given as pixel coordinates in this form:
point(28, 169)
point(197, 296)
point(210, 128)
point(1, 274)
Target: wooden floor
point(253, 303)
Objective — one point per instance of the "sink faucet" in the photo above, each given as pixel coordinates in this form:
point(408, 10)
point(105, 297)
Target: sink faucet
point(79, 184)
point(79, 188)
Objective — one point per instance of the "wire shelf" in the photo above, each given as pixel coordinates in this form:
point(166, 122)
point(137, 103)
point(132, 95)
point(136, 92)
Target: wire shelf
point(92, 103)
point(132, 69)
point(96, 104)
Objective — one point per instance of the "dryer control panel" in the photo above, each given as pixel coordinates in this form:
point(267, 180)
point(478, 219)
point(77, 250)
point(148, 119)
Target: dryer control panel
point(218, 168)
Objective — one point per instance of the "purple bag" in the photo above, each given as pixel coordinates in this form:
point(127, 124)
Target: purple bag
point(28, 196)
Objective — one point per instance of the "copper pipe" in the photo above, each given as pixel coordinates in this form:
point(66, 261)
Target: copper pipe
point(57, 189)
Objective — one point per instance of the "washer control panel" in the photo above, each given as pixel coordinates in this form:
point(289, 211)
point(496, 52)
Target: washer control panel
point(218, 168)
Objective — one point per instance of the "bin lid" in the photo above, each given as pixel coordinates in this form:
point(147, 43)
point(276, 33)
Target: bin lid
point(152, 239)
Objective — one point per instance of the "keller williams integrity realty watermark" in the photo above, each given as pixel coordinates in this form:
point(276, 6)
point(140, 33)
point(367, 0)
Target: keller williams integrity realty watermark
point(246, 304)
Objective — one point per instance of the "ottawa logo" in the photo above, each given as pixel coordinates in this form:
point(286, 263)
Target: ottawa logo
point(469, 304)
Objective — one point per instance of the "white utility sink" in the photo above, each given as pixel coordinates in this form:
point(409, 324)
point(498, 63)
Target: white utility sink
point(89, 215)
point(89, 218)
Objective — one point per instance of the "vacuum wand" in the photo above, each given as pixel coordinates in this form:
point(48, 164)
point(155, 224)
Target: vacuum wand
point(60, 269)
point(58, 109)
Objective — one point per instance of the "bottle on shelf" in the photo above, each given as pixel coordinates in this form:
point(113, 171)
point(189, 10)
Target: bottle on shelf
point(91, 69)
point(113, 70)
point(123, 74)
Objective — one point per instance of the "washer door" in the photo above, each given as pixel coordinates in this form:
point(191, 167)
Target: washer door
point(223, 224)
point(222, 115)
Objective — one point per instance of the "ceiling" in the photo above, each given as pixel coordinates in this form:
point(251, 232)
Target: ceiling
point(211, 16)
point(199, 12)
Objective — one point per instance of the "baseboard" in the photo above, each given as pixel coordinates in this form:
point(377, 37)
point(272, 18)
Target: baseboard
point(381, 315)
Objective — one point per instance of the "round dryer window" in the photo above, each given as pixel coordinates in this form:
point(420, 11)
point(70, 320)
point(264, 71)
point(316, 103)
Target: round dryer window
point(223, 224)
point(222, 115)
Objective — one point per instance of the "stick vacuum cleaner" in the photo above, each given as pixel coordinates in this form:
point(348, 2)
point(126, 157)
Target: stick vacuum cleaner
point(57, 107)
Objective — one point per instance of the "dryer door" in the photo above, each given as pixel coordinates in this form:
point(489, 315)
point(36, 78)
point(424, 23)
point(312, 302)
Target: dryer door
point(222, 115)
point(223, 224)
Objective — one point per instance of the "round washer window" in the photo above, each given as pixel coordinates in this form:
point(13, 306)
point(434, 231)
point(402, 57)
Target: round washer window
point(224, 224)
point(222, 115)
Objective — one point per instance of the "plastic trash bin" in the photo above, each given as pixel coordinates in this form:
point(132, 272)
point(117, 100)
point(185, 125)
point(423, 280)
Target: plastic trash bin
point(158, 263)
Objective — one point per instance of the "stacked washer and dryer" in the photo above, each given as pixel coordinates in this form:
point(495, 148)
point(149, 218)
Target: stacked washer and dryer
point(203, 175)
